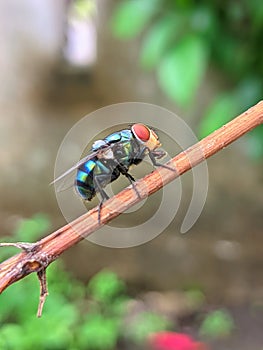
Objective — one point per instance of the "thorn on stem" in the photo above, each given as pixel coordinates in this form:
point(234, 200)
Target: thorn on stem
point(43, 290)
point(27, 247)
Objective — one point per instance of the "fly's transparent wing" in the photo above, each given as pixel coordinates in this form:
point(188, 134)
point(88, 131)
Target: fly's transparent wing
point(66, 180)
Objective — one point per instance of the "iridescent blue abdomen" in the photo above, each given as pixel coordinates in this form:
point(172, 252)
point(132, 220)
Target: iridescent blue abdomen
point(99, 168)
point(84, 180)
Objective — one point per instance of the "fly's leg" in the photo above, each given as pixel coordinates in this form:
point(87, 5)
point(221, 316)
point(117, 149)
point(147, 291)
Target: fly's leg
point(141, 154)
point(97, 181)
point(155, 163)
point(100, 206)
point(131, 179)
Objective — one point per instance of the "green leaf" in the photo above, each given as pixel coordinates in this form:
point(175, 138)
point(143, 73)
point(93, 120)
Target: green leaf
point(157, 40)
point(217, 324)
point(131, 17)
point(105, 286)
point(223, 109)
point(181, 71)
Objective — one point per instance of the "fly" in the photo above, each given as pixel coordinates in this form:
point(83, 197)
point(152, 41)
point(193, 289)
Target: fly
point(111, 157)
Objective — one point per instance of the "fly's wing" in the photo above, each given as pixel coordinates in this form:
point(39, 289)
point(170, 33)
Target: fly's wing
point(66, 180)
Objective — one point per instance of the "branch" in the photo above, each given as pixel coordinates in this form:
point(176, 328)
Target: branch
point(35, 257)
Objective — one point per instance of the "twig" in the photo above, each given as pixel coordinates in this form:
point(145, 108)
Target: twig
point(37, 256)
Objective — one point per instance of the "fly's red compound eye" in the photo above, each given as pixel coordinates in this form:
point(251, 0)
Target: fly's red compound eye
point(141, 132)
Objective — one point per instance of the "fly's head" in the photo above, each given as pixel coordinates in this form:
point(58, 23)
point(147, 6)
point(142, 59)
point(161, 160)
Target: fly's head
point(146, 136)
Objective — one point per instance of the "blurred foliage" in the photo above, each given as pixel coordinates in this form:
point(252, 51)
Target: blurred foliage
point(104, 287)
point(95, 316)
point(144, 324)
point(182, 39)
point(31, 229)
point(27, 230)
point(195, 297)
point(217, 324)
point(75, 316)
point(82, 9)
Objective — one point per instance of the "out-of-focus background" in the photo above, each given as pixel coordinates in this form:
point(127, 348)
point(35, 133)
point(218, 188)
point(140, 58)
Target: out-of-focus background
point(61, 60)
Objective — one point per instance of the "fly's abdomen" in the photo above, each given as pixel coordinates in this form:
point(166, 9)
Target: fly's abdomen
point(84, 183)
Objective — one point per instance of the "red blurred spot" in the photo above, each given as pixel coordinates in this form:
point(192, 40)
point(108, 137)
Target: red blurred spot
point(141, 131)
point(174, 341)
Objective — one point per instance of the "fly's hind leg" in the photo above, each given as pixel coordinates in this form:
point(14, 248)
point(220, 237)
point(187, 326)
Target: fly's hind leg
point(100, 206)
point(97, 181)
point(131, 179)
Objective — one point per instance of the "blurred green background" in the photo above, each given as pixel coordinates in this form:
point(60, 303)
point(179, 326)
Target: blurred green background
point(203, 61)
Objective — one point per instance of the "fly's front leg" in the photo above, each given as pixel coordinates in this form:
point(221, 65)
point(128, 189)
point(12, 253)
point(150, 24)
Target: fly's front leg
point(98, 179)
point(142, 154)
point(155, 163)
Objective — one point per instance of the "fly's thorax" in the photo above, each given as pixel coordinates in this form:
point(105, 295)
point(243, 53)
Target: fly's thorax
point(103, 150)
point(105, 154)
point(99, 144)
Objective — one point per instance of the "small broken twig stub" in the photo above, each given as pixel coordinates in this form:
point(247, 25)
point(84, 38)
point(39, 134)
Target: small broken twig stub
point(37, 256)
